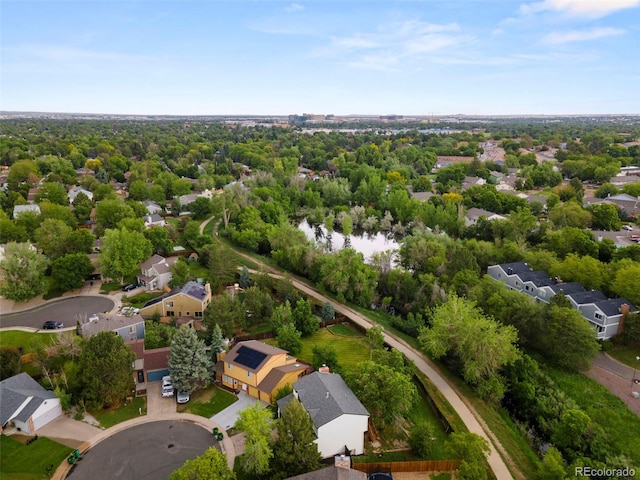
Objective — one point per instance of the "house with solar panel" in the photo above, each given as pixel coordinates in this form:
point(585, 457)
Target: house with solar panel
point(258, 369)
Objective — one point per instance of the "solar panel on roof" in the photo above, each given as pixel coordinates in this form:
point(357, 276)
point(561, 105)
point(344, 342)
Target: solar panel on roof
point(249, 358)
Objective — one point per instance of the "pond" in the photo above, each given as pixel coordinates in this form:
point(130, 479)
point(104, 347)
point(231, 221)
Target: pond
point(365, 243)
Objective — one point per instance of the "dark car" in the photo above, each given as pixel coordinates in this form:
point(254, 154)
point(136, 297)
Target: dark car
point(128, 288)
point(52, 325)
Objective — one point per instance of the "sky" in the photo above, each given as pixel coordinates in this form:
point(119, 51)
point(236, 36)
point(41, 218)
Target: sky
point(341, 57)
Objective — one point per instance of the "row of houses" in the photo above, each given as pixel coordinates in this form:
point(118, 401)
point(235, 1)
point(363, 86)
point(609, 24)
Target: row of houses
point(606, 315)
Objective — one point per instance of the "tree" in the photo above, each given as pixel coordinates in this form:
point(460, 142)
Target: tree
point(160, 241)
point(294, 450)
point(121, 253)
point(110, 212)
point(422, 438)
point(70, 271)
point(385, 392)
point(180, 273)
point(569, 214)
point(22, 272)
point(625, 283)
point(52, 238)
point(346, 274)
point(327, 312)
point(105, 370)
point(10, 361)
point(189, 364)
point(245, 278)
point(304, 319)
point(54, 192)
point(227, 312)
point(325, 355)
point(471, 449)
point(552, 467)
point(288, 338)
point(605, 217)
point(374, 339)
point(256, 423)
point(201, 208)
point(217, 342)
point(211, 465)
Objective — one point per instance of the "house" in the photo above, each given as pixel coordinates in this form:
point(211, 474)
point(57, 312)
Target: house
point(474, 214)
point(129, 327)
point(155, 273)
point(20, 209)
point(153, 207)
point(341, 470)
point(154, 220)
point(190, 300)
point(258, 369)
point(74, 192)
point(629, 205)
point(27, 404)
point(339, 419)
point(469, 182)
point(149, 365)
point(605, 315)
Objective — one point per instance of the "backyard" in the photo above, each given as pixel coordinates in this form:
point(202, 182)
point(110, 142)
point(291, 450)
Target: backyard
point(19, 461)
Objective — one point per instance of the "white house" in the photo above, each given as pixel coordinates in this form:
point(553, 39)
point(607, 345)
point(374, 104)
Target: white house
point(339, 419)
point(27, 404)
point(153, 207)
point(154, 220)
point(73, 193)
point(156, 272)
point(29, 207)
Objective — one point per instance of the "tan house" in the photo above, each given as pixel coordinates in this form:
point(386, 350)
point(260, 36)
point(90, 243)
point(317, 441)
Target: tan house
point(190, 300)
point(258, 369)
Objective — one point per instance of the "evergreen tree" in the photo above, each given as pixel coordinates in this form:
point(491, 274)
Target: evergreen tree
point(217, 342)
point(245, 279)
point(304, 319)
point(189, 364)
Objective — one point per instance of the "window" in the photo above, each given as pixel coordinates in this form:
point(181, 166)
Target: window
point(198, 314)
point(132, 329)
point(170, 313)
point(169, 304)
point(188, 314)
point(517, 283)
point(249, 374)
point(229, 366)
point(599, 316)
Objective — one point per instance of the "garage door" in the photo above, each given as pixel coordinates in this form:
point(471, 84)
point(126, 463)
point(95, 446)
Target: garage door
point(157, 375)
point(41, 420)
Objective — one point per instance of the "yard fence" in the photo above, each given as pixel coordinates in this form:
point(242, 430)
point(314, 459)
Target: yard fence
point(415, 466)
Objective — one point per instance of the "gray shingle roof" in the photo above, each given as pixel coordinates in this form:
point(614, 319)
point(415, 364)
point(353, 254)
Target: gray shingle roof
point(15, 391)
point(326, 396)
point(611, 306)
point(331, 473)
point(590, 296)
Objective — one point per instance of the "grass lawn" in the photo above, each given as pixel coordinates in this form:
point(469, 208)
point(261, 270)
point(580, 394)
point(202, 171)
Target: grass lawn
point(110, 287)
point(620, 424)
point(139, 300)
point(208, 402)
point(29, 462)
point(109, 418)
point(259, 329)
point(626, 355)
point(345, 330)
point(28, 341)
point(351, 351)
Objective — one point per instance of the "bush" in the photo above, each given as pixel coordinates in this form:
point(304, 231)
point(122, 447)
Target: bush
point(10, 361)
point(422, 438)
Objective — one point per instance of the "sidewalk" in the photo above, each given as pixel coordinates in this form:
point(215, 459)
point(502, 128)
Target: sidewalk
point(226, 445)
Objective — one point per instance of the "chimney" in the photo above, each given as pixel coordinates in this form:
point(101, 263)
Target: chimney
point(342, 461)
point(624, 310)
point(324, 369)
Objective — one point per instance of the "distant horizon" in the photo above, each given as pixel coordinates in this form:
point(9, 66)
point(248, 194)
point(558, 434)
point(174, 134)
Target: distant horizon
point(413, 57)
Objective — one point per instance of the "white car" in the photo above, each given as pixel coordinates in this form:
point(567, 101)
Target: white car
point(628, 227)
point(182, 397)
point(167, 386)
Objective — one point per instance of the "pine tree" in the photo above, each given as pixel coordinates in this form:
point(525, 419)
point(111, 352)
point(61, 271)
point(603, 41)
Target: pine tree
point(217, 342)
point(189, 364)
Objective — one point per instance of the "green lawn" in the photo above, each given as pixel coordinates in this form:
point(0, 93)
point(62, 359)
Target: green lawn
point(626, 355)
point(139, 300)
point(208, 402)
point(345, 330)
point(109, 418)
point(350, 350)
point(29, 462)
point(28, 341)
point(110, 287)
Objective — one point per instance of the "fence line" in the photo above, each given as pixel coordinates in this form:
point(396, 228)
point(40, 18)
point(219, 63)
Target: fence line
point(412, 466)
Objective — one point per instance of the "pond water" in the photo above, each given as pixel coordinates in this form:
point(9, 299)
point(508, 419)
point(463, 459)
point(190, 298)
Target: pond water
point(365, 243)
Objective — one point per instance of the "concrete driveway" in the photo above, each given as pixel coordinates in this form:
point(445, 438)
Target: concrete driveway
point(156, 403)
point(69, 432)
point(227, 417)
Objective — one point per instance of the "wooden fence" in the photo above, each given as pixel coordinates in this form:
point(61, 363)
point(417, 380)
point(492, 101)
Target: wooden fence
point(415, 466)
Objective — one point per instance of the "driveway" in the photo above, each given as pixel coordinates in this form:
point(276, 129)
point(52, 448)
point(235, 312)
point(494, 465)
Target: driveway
point(66, 310)
point(227, 417)
point(150, 451)
point(156, 403)
point(69, 432)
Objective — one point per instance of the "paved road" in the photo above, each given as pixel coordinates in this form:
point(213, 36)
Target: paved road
point(150, 451)
point(65, 310)
point(611, 365)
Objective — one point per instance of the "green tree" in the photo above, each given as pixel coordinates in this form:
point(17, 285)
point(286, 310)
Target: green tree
point(10, 361)
point(211, 465)
point(245, 278)
point(422, 438)
point(569, 214)
point(256, 423)
point(52, 238)
point(625, 283)
point(160, 241)
point(105, 370)
point(304, 319)
point(288, 338)
point(157, 335)
point(325, 355)
point(374, 339)
point(471, 449)
point(227, 312)
point(121, 253)
point(294, 450)
point(217, 342)
point(346, 274)
point(70, 271)
point(552, 466)
point(605, 216)
point(327, 312)
point(180, 273)
point(189, 363)
point(22, 272)
point(588, 271)
point(110, 212)
point(52, 192)
point(201, 208)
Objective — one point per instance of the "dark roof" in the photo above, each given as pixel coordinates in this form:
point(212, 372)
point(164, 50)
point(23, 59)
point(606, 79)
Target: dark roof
point(157, 358)
point(515, 267)
point(539, 278)
point(274, 376)
point(331, 473)
point(590, 296)
point(567, 288)
point(611, 306)
point(246, 353)
point(14, 391)
point(326, 397)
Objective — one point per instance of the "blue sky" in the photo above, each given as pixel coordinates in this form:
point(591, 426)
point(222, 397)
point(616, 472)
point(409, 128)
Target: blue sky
point(342, 57)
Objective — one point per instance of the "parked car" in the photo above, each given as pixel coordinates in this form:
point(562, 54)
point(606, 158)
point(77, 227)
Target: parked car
point(182, 397)
point(128, 288)
point(628, 228)
point(52, 325)
point(167, 386)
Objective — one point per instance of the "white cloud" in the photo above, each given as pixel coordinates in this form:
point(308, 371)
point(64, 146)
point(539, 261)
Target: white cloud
point(590, 8)
point(581, 35)
point(63, 53)
point(294, 7)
